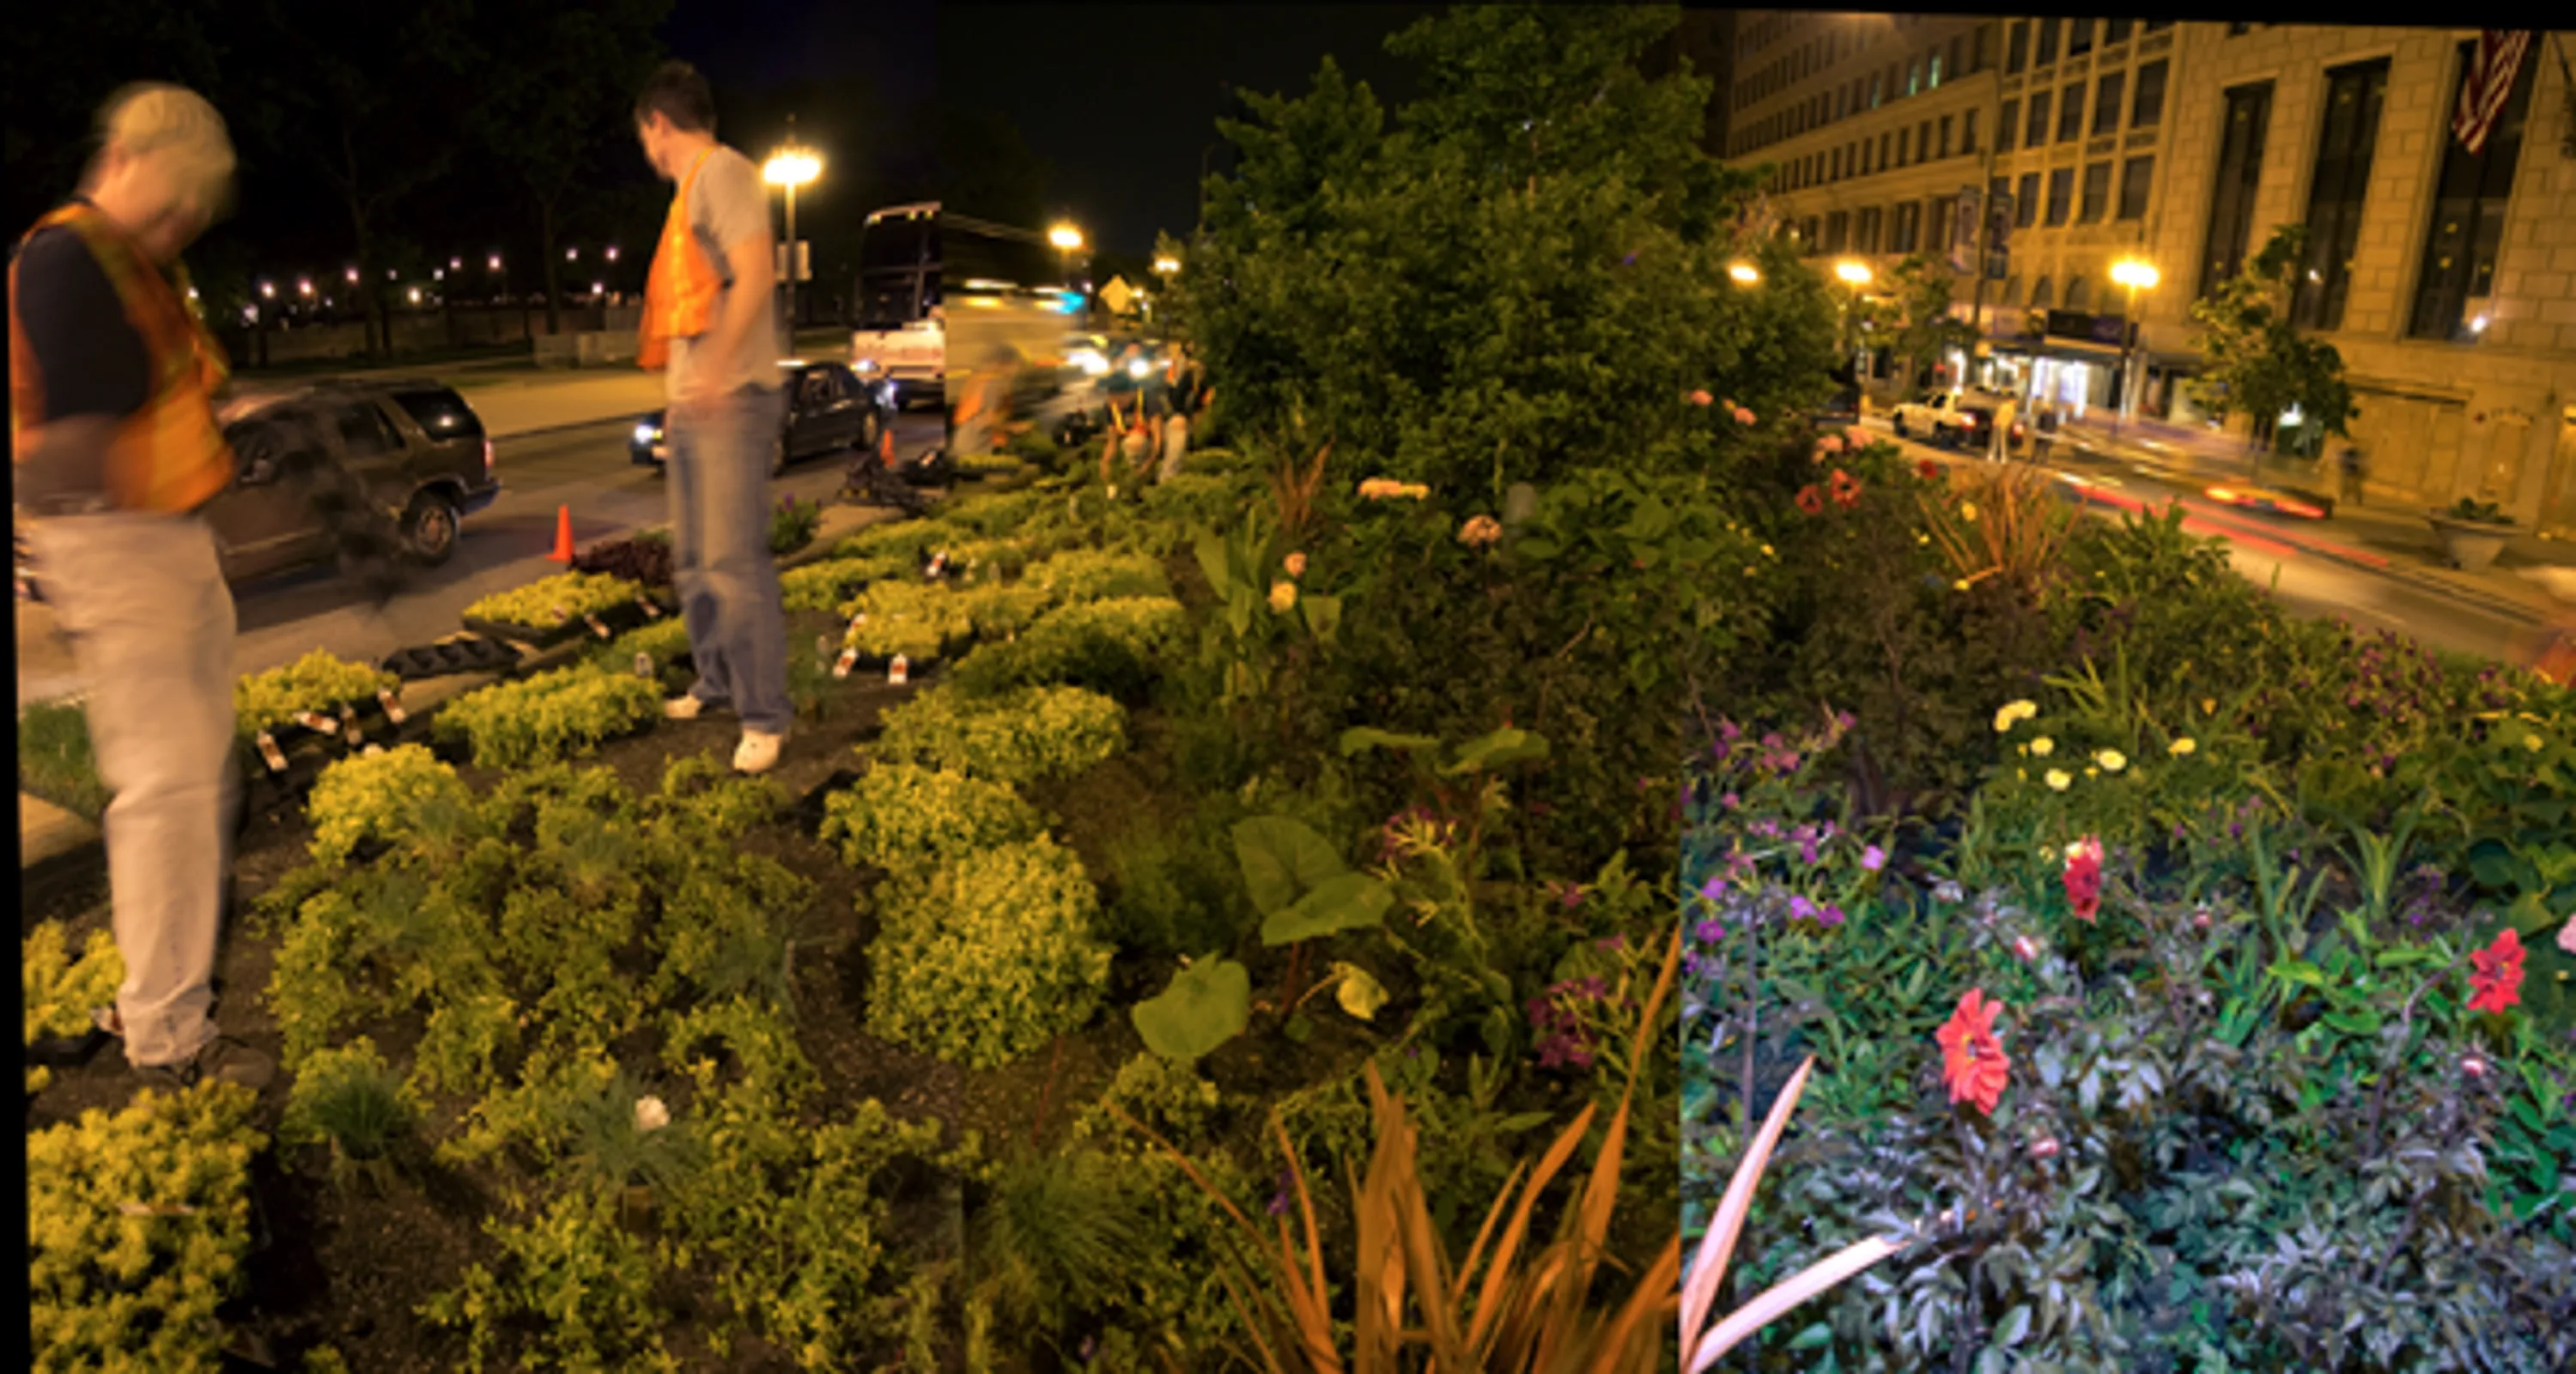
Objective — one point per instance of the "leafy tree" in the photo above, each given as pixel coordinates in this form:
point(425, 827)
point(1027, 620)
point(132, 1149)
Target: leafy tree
point(1924, 328)
point(1525, 274)
point(2257, 363)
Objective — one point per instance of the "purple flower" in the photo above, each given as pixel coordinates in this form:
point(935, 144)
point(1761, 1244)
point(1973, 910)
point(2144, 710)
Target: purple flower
point(1800, 908)
point(1611, 942)
point(1714, 888)
point(1766, 828)
point(1873, 859)
point(1832, 915)
point(1593, 989)
point(1279, 1200)
point(1708, 932)
point(1728, 801)
point(1807, 851)
point(1571, 895)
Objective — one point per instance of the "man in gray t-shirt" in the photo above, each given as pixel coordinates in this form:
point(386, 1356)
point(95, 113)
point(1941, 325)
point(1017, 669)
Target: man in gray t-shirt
point(708, 304)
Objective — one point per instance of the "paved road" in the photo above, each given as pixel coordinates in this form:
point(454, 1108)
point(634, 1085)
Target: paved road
point(2304, 582)
point(586, 468)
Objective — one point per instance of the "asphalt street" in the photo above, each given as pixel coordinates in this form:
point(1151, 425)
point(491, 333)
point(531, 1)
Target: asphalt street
point(586, 469)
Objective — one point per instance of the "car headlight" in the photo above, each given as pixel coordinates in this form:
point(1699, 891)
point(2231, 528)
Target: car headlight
point(646, 433)
point(864, 366)
point(1139, 369)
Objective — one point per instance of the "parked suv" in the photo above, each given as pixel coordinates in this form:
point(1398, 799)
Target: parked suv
point(830, 409)
point(413, 444)
point(1959, 419)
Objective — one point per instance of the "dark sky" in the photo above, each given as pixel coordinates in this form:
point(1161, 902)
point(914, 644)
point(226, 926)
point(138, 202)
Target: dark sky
point(755, 44)
point(1121, 101)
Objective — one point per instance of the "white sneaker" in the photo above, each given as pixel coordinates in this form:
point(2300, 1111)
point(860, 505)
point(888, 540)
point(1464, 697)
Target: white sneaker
point(758, 752)
point(683, 708)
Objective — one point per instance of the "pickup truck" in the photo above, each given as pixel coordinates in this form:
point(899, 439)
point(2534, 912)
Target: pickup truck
point(1958, 419)
point(914, 357)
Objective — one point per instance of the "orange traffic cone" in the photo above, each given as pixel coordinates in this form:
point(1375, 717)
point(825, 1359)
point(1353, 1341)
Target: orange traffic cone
point(563, 536)
point(885, 445)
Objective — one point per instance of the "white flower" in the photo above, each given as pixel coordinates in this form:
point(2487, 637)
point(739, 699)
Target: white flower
point(650, 1114)
point(2181, 746)
point(2112, 760)
point(2058, 781)
point(2043, 746)
point(2014, 711)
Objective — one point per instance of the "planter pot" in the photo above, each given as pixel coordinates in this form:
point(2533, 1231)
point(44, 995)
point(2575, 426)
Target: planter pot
point(2472, 546)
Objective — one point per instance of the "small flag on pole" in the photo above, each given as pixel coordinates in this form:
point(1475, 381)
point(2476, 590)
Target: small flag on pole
point(2488, 84)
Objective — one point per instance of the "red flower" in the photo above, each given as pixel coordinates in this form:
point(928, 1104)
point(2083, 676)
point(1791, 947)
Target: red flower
point(1928, 470)
point(2084, 877)
point(1810, 500)
point(1973, 1063)
point(1846, 489)
point(2495, 973)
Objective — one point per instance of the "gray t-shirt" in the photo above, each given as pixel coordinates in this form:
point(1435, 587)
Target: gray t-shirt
point(727, 205)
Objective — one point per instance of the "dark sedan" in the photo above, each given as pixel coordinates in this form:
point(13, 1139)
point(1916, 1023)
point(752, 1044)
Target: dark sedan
point(829, 410)
point(414, 446)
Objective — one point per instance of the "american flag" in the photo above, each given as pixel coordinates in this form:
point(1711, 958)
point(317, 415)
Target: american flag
point(2488, 84)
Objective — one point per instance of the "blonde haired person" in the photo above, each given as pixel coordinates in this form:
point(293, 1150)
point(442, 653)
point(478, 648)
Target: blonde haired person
point(115, 449)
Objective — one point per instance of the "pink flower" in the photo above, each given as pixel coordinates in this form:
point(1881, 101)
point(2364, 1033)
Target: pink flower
point(2567, 936)
point(2495, 975)
point(2084, 877)
point(1831, 443)
point(1699, 398)
point(1743, 416)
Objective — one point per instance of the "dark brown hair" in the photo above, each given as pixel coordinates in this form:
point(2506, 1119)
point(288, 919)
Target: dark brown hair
point(681, 95)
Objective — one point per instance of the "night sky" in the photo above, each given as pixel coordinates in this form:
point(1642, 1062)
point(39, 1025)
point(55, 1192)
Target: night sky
point(1121, 101)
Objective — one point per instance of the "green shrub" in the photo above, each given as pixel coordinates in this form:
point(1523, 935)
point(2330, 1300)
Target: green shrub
point(898, 816)
point(1116, 647)
point(580, 1284)
point(988, 958)
point(997, 613)
point(827, 585)
point(910, 540)
point(1175, 891)
point(349, 1099)
point(59, 991)
point(919, 620)
point(792, 525)
point(393, 796)
point(1098, 575)
point(1056, 1234)
point(986, 560)
point(137, 1225)
point(55, 760)
point(992, 516)
point(1023, 736)
point(316, 682)
point(552, 716)
point(554, 601)
point(665, 641)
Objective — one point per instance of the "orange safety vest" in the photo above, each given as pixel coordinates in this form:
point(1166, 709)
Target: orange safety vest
point(680, 292)
point(170, 456)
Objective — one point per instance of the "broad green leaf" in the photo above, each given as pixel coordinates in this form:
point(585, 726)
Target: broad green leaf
point(1206, 1005)
point(1323, 615)
point(1214, 562)
point(1283, 860)
point(1369, 737)
point(1345, 902)
point(1489, 752)
point(2300, 971)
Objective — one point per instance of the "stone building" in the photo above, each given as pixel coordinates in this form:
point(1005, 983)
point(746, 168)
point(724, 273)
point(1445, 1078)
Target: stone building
point(2446, 280)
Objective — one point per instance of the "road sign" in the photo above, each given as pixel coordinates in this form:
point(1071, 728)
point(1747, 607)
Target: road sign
point(1118, 295)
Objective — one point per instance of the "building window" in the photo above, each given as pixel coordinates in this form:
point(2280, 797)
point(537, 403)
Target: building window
point(1968, 132)
point(2079, 293)
point(1957, 42)
point(1945, 223)
point(1946, 121)
point(1865, 231)
point(1903, 136)
point(2026, 201)
point(2070, 116)
point(1909, 227)
point(2004, 126)
point(1876, 92)
point(2149, 107)
point(2468, 212)
point(2106, 103)
point(2079, 37)
point(1934, 83)
point(2355, 96)
point(1837, 229)
point(2239, 30)
point(2034, 130)
point(2114, 31)
point(1923, 141)
point(1837, 173)
point(2047, 52)
point(2240, 168)
point(2097, 193)
point(2017, 50)
point(1886, 141)
point(1981, 52)
point(2136, 176)
point(2041, 297)
point(2061, 195)
point(2153, 25)
point(1914, 78)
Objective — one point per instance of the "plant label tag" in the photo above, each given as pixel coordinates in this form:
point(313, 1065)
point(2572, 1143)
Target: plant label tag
point(900, 672)
point(651, 611)
point(372, 750)
point(268, 750)
point(598, 626)
point(939, 563)
point(349, 727)
point(393, 706)
point(643, 665)
point(316, 722)
point(560, 612)
point(849, 659)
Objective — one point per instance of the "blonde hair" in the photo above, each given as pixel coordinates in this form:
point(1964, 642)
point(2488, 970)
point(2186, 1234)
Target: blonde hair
point(177, 127)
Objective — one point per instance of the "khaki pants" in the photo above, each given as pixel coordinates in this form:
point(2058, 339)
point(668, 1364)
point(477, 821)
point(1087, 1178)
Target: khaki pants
point(143, 601)
point(1176, 443)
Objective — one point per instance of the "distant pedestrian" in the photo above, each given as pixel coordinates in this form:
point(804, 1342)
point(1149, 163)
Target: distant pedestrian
point(708, 317)
point(1183, 404)
point(2043, 429)
point(2355, 469)
point(2005, 416)
point(112, 379)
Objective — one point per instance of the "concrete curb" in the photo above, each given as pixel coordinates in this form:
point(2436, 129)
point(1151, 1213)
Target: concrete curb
point(55, 845)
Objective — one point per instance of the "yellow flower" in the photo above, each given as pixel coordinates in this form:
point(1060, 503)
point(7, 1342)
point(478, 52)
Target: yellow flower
point(1480, 531)
point(1767, 553)
point(2092, 772)
point(1960, 585)
point(1283, 596)
point(2531, 742)
point(2208, 706)
point(2043, 746)
point(1296, 563)
point(2112, 760)
point(2181, 746)
point(2011, 711)
point(1968, 511)
point(2057, 780)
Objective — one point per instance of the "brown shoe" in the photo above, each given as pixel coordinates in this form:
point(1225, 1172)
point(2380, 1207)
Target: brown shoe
point(223, 1058)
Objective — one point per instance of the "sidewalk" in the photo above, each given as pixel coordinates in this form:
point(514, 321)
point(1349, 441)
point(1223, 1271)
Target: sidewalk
point(2395, 542)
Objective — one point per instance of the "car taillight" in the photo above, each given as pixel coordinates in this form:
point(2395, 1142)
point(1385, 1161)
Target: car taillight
point(487, 457)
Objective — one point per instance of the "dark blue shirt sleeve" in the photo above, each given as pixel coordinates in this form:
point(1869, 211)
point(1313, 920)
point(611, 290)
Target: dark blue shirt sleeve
point(88, 354)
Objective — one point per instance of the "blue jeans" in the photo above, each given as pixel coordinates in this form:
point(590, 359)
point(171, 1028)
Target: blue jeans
point(720, 561)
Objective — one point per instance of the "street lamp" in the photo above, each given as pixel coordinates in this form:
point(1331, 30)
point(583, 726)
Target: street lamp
point(612, 252)
point(1855, 275)
point(1745, 274)
point(791, 167)
point(1167, 266)
point(268, 290)
point(2137, 275)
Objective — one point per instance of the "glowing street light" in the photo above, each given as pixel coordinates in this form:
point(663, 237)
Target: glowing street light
point(791, 167)
point(415, 295)
point(572, 255)
point(1066, 238)
point(493, 263)
point(1167, 266)
point(599, 288)
point(1855, 275)
point(438, 274)
point(304, 285)
point(268, 290)
point(353, 276)
point(456, 264)
point(1745, 273)
point(2137, 274)
point(612, 252)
